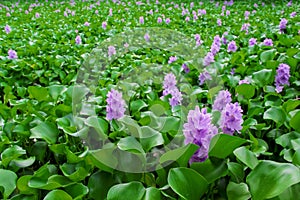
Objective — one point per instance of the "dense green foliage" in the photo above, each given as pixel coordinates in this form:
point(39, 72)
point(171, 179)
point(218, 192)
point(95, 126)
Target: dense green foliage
point(46, 152)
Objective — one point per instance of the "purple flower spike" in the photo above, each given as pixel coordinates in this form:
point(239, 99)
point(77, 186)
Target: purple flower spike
point(199, 130)
point(282, 77)
point(231, 118)
point(208, 59)
point(252, 42)
point(222, 99)
point(268, 42)
point(111, 51)
point(185, 68)
point(172, 59)
point(115, 108)
point(7, 29)
point(204, 76)
point(12, 54)
point(231, 47)
point(78, 39)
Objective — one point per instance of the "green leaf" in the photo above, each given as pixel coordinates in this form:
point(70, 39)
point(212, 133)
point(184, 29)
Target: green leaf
point(22, 163)
point(99, 184)
point(187, 183)
point(269, 179)
point(267, 55)
point(77, 191)
point(222, 145)
point(56, 90)
point(285, 139)
point(211, 170)
point(22, 185)
point(38, 93)
point(276, 114)
point(150, 138)
point(8, 181)
point(132, 126)
point(130, 144)
point(246, 90)
point(45, 130)
point(291, 105)
point(137, 105)
point(294, 123)
point(152, 193)
point(58, 195)
point(237, 191)
point(133, 190)
point(236, 171)
point(104, 159)
point(246, 156)
point(262, 77)
point(11, 153)
point(181, 155)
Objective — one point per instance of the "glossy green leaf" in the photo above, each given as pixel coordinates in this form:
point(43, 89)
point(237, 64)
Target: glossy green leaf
point(269, 179)
point(133, 190)
point(38, 93)
point(187, 183)
point(152, 193)
point(246, 90)
point(267, 55)
point(77, 191)
point(99, 183)
point(246, 156)
point(45, 130)
point(222, 145)
point(294, 123)
point(211, 170)
point(237, 191)
point(262, 77)
point(58, 195)
point(276, 114)
point(8, 181)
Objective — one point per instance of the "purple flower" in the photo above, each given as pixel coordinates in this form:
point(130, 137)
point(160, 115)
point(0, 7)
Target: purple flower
point(86, 23)
point(289, 3)
point(243, 82)
point(110, 12)
point(7, 14)
point(282, 24)
point(111, 51)
point(96, 12)
point(168, 20)
point(169, 83)
point(26, 12)
point(12, 54)
point(7, 29)
point(293, 14)
point(115, 108)
point(199, 130)
point(203, 77)
point(219, 22)
point(104, 25)
point(176, 97)
point(141, 20)
point(247, 13)
point(185, 68)
point(245, 27)
point(268, 42)
point(147, 37)
point(208, 59)
point(172, 59)
point(255, 5)
point(282, 77)
point(227, 12)
point(159, 20)
point(231, 47)
point(252, 42)
point(78, 39)
point(223, 98)
point(169, 87)
point(214, 49)
point(37, 15)
point(224, 40)
point(231, 118)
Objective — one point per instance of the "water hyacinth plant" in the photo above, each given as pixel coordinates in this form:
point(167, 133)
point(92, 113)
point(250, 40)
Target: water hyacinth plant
point(149, 99)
